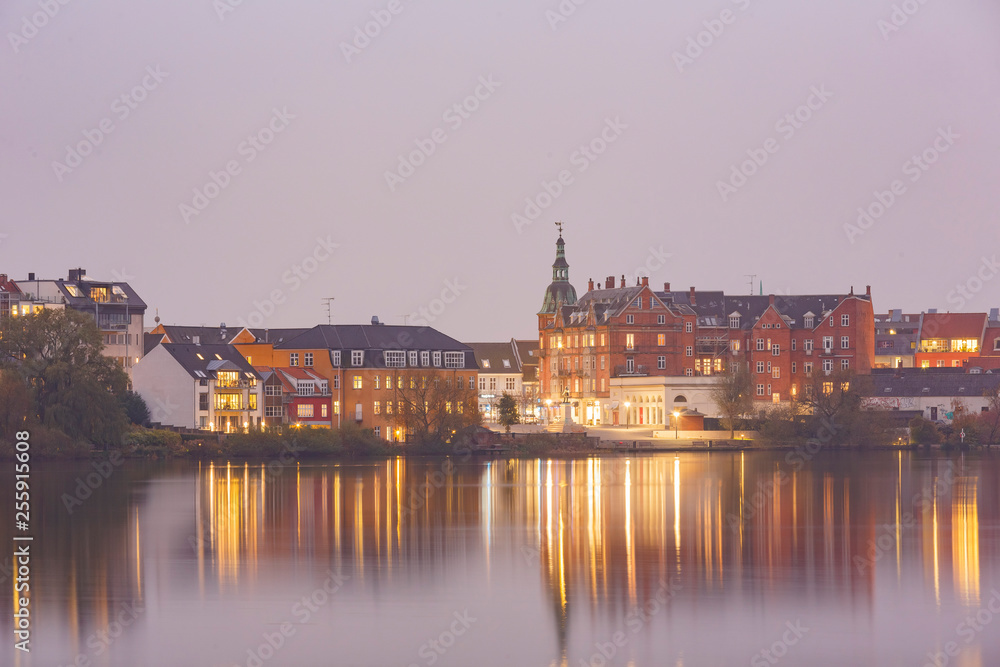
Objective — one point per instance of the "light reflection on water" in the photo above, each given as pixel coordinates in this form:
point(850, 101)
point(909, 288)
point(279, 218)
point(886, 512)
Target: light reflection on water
point(696, 559)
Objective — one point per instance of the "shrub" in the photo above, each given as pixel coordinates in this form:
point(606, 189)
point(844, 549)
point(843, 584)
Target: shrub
point(924, 432)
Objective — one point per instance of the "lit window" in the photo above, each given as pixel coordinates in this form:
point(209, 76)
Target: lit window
point(776, 373)
point(734, 346)
point(377, 408)
point(378, 382)
point(629, 341)
point(486, 363)
point(357, 382)
point(304, 410)
point(827, 388)
point(322, 410)
point(661, 339)
point(293, 359)
point(336, 407)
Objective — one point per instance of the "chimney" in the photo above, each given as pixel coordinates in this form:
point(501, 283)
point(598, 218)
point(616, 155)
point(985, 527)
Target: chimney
point(770, 299)
point(623, 280)
point(31, 276)
point(609, 282)
point(645, 281)
point(666, 287)
point(691, 298)
point(76, 275)
point(590, 285)
point(852, 291)
point(868, 290)
point(3, 277)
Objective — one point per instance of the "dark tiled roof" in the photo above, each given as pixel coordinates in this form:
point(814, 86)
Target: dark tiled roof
point(492, 355)
point(276, 336)
point(953, 325)
point(927, 382)
point(376, 338)
point(717, 307)
point(205, 335)
point(212, 358)
point(150, 341)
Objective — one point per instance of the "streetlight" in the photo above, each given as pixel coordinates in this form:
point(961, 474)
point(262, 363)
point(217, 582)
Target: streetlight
point(677, 416)
point(627, 415)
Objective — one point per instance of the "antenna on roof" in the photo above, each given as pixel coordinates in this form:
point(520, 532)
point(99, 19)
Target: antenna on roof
point(751, 277)
point(328, 300)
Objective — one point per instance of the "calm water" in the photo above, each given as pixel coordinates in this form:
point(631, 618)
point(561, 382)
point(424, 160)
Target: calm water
point(697, 559)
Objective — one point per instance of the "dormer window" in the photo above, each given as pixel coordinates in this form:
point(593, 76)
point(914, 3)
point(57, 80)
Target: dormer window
point(357, 357)
point(734, 321)
point(809, 320)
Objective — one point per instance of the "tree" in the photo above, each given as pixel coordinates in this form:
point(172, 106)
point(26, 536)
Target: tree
point(924, 432)
point(15, 403)
point(74, 387)
point(990, 420)
point(835, 402)
point(430, 408)
point(135, 408)
point(507, 408)
point(733, 395)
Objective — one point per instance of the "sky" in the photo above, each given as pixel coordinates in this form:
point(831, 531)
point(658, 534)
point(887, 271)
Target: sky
point(242, 161)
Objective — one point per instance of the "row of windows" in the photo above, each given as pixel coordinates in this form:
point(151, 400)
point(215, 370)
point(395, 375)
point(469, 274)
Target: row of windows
point(509, 384)
point(400, 408)
point(358, 381)
point(392, 358)
point(807, 344)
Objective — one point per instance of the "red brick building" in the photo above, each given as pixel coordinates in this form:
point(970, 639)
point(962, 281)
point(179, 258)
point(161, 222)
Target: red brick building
point(619, 331)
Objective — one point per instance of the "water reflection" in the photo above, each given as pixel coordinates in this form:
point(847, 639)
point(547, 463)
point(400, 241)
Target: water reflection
point(741, 534)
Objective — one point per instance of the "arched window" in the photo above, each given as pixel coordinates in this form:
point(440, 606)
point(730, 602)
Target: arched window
point(679, 398)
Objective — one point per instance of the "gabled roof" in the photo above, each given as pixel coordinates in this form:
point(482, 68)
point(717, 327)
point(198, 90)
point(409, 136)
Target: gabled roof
point(374, 339)
point(952, 325)
point(150, 341)
point(203, 361)
point(182, 335)
point(717, 306)
point(276, 336)
point(491, 358)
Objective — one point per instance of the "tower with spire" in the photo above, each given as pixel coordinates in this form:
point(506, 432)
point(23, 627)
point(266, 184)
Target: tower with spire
point(560, 291)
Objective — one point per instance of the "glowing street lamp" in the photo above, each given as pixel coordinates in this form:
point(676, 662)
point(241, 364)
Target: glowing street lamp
point(677, 416)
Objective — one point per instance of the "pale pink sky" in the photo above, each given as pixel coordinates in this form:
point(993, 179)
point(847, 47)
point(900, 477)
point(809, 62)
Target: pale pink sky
point(337, 126)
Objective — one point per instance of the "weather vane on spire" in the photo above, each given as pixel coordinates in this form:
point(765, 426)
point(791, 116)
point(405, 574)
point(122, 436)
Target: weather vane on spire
point(560, 226)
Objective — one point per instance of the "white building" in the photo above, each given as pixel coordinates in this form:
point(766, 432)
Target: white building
point(209, 387)
point(645, 401)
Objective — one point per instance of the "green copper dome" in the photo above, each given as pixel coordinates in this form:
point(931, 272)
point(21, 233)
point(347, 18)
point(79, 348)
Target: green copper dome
point(560, 290)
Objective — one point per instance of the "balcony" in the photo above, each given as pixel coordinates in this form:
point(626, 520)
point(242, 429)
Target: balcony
point(640, 370)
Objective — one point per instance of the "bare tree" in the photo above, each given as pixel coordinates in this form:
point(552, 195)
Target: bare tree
point(732, 395)
point(429, 408)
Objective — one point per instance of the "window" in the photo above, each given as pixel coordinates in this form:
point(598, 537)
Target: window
point(425, 358)
point(629, 341)
point(377, 408)
point(661, 363)
point(602, 340)
point(845, 364)
point(269, 390)
point(308, 359)
point(807, 345)
point(689, 372)
point(827, 343)
point(388, 407)
point(827, 388)
point(357, 382)
point(602, 362)
point(229, 401)
point(482, 384)
point(662, 319)
point(734, 346)
point(203, 401)
point(734, 321)
point(357, 357)
point(322, 410)
point(336, 407)
point(336, 382)
point(827, 365)
point(509, 384)
point(845, 320)
point(272, 411)
point(809, 321)
point(831, 320)
point(437, 360)
point(793, 368)
point(293, 359)
point(769, 390)
point(454, 360)
point(638, 303)
point(630, 364)
point(493, 384)
point(377, 431)
point(689, 351)
point(760, 390)
point(760, 366)
point(602, 384)
point(807, 368)
point(661, 340)
point(845, 342)
point(775, 350)
point(305, 388)
point(769, 367)
point(688, 327)
point(336, 357)
point(776, 373)
point(630, 319)
point(413, 358)
point(793, 345)
point(760, 344)
point(472, 381)
point(395, 359)
point(378, 382)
